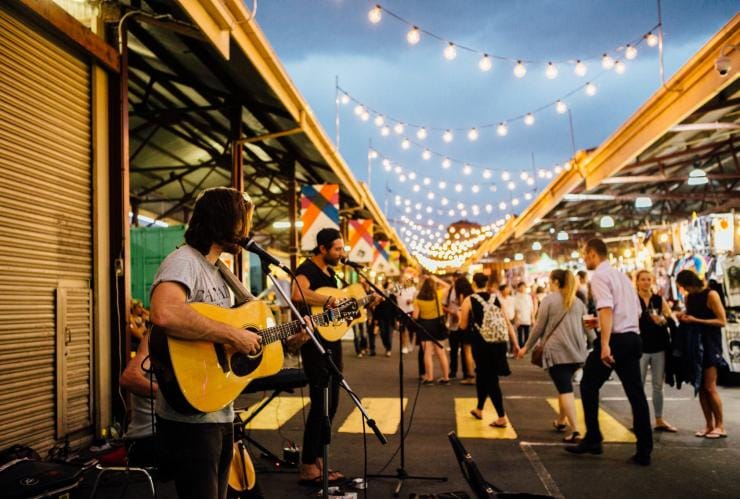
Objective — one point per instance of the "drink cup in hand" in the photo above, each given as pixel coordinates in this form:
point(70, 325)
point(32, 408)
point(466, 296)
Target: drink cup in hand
point(590, 321)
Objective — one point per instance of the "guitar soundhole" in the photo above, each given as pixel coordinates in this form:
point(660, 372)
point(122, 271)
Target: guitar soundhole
point(243, 364)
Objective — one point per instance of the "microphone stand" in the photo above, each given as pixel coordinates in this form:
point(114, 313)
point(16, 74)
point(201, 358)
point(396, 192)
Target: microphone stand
point(401, 474)
point(333, 371)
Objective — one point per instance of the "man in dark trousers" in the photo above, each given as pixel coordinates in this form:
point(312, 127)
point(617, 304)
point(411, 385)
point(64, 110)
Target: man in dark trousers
point(314, 273)
point(618, 348)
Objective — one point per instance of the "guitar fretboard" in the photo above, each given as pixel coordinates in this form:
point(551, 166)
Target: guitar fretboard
point(278, 333)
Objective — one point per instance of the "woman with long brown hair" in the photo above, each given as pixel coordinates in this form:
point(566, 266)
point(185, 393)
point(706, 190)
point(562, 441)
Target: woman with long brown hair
point(704, 311)
point(559, 323)
point(428, 310)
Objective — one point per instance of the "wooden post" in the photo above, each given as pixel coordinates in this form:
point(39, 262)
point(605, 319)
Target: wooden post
point(237, 173)
point(293, 247)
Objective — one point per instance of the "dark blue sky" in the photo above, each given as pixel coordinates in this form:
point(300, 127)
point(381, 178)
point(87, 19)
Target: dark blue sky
point(320, 39)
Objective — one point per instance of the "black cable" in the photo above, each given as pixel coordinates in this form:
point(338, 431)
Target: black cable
point(364, 449)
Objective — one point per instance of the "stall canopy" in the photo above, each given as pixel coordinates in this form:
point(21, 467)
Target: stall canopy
point(689, 129)
point(204, 84)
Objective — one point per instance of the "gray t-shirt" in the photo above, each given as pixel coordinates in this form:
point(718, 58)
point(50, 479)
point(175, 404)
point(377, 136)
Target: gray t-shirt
point(204, 284)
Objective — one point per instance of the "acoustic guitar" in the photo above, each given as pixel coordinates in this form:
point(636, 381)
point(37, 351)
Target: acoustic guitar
point(355, 292)
point(200, 376)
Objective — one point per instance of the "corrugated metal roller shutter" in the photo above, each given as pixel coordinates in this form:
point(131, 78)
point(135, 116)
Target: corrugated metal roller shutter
point(45, 236)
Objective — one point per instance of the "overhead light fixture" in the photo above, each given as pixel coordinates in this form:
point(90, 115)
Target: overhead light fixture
point(575, 254)
point(697, 176)
point(643, 202)
point(536, 246)
point(606, 222)
point(562, 236)
point(518, 257)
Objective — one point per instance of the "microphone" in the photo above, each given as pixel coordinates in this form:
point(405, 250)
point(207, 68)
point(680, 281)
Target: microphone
point(352, 264)
point(251, 245)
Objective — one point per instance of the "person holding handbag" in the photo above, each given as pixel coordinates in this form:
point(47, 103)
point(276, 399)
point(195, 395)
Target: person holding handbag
point(428, 310)
point(563, 345)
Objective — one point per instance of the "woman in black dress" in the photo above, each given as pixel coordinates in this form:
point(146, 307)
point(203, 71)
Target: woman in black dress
point(704, 311)
point(490, 357)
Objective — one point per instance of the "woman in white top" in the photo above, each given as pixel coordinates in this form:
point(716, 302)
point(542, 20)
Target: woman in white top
point(523, 312)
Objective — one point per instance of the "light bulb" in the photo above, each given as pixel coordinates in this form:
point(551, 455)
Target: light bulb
point(606, 222)
point(529, 119)
point(402, 178)
point(412, 175)
point(405, 144)
point(442, 184)
point(643, 202)
point(541, 173)
point(416, 188)
point(560, 107)
point(502, 206)
point(427, 181)
point(365, 116)
point(520, 70)
point(385, 131)
point(530, 181)
point(581, 69)
point(427, 154)
point(473, 134)
point(487, 174)
point(489, 208)
point(375, 14)
point(524, 175)
point(511, 185)
point(398, 169)
point(651, 39)
point(475, 189)
point(467, 169)
point(430, 195)
point(379, 120)
point(387, 164)
point(607, 62)
point(562, 236)
point(619, 67)
point(398, 128)
point(344, 99)
point(458, 187)
point(451, 212)
point(413, 36)
point(372, 154)
point(450, 51)
point(502, 129)
point(551, 72)
point(590, 89)
point(447, 136)
point(446, 163)
point(485, 63)
point(444, 201)
point(567, 166)
point(536, 246)
point(630, 52)
point(359, 110)
point(528, 196)
point(505, 176)
point(515, 202)
point(558, 169)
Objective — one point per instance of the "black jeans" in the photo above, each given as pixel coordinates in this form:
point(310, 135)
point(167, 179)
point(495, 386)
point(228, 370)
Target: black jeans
point(386, 330)
point(456, 346)
point(626, 348)
point(522, 334)
point(318, 376)
point(487, 356)
point(197, 455)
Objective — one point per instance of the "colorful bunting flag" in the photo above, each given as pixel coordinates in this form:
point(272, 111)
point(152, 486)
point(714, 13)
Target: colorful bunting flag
point(360, 240)
point(381, 258)
point(319, 210)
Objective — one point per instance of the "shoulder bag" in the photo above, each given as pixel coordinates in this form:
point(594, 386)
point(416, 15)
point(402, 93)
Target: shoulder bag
point(539, 350)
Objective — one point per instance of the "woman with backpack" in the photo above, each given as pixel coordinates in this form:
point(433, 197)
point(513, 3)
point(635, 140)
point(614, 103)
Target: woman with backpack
point(481, 313)
point(560, 325)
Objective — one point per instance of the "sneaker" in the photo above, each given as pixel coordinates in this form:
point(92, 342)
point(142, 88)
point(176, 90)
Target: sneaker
point(404, 350)
point(388, 353)
point(468, 381)
point(359, 355)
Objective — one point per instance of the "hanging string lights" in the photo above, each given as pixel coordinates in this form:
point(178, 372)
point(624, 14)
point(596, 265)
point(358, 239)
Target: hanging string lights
point(385, 122)
point(519, 65)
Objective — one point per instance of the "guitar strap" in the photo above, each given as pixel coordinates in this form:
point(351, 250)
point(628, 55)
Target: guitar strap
point(241, 294)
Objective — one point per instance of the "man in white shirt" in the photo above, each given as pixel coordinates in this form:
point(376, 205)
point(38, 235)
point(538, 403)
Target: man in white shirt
point(618, 348)
point(405, 299)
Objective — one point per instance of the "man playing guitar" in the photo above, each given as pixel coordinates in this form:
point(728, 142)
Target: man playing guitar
point(314, 273)
point(198, 447)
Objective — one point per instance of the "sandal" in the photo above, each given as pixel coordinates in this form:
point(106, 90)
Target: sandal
point(559, 427)
point(667, 428)
point(496, 424)
point(713, 435)
point(573, 438)
point(475, 414)
point(702, 433)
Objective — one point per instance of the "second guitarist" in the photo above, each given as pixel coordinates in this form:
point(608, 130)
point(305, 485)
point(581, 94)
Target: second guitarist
point(314, 273)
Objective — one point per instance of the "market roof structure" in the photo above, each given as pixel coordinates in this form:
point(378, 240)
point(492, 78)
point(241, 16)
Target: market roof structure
point(203, 80)
point(690, 128)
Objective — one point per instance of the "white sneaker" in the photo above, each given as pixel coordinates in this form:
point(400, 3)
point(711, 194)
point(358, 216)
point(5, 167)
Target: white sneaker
point(404, 350)
point(388, 353)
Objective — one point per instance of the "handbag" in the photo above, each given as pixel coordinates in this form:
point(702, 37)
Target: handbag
point(539, 351)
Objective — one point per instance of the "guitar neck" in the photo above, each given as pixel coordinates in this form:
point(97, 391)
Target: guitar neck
point(283, 331)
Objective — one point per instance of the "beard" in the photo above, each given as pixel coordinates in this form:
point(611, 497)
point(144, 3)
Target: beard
point(231, 247)
point(331, 261)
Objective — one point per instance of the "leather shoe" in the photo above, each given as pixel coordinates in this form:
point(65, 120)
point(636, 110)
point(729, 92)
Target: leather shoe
point(640, 459)
point(585, 448)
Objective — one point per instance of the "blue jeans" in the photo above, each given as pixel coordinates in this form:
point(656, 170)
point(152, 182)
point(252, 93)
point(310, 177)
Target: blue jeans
point(656, 361)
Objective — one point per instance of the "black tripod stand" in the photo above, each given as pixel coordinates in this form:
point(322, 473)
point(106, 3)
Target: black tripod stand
point(401, 474)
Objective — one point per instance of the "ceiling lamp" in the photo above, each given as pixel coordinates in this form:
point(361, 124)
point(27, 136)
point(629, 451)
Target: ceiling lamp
point(562, 236)
point(643, 202)
point(536, 246)
point(518, 257)
point(574, 254)
point(606, 222)
point(697, 176)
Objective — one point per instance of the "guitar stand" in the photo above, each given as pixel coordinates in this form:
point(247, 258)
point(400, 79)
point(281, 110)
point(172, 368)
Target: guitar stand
point(266, 453)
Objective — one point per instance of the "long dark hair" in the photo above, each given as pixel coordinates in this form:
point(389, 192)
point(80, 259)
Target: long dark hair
point(222, 215)
point(688, 279)
point(463, 288)
point(428, 290)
